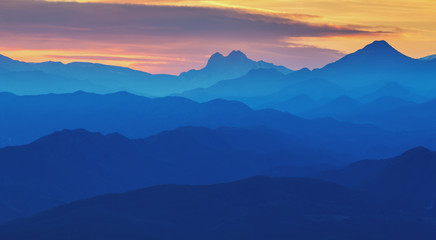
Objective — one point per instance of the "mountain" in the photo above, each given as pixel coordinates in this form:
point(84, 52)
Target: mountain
point(349, 109)
point(26, 118)
point(393, 89)
point(294, 105)
point(258, 82)
point(235, 77)
point(336, 107)
point(397, 115)
point(375, 63)
point(377, 55)
point(354, 75)
point(56, 77)
point(261, 87)
point(37, 82)
point(384, 104)
point(407, 180)
point(9, 64)
point(377, 70)
point(73, 164)
point(255, 208)
point(220, 67)
point(315, 88)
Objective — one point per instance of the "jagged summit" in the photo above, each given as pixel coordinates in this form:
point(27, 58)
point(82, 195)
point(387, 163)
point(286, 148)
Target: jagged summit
point(236, 54)
point(235, 65)
point(215, 57)
point(233, 57)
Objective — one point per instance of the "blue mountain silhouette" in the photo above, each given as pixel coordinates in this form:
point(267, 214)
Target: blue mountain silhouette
point(407, 180)
point(26, 118)
point(74, 164)
point(255, 208)
point(55, 77)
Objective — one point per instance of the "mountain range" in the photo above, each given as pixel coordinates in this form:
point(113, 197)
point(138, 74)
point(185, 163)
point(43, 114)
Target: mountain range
point(75, 164)
point(56, 77)
point(27, 118)
point(384, 199)
point(374, 71)
point(220, 67)
point(391, 113)
point(407, 180)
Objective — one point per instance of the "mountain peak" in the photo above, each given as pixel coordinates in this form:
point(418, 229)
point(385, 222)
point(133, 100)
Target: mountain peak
point(379, 44)
point(215, 58)
point(236, 54)
point(235, 57)
point(217, 55)
point(380, 47)
point(379, 55)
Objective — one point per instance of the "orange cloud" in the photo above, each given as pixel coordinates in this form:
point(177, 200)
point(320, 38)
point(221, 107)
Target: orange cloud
point(417, 18)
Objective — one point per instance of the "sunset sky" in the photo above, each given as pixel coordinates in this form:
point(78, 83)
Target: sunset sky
point(159, 36)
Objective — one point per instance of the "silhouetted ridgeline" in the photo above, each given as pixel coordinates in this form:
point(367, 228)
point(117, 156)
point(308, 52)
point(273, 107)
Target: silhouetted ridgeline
point(26, 118)
point(55, 77)
point(255, 208)
point(75, 164)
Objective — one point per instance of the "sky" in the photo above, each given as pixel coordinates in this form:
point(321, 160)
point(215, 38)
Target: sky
point(159, 36)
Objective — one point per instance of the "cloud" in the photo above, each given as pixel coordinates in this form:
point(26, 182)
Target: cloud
point(160, 31)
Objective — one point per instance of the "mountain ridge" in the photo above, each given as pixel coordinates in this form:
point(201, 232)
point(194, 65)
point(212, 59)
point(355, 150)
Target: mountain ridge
point(69, 165)
point(254, 208)
point(101, 78)
point(137, 117)
point(406, 180)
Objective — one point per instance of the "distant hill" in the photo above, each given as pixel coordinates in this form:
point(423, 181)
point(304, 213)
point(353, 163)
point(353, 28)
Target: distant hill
point(258, 82)
point(407, 180)
point(336, 107)
point(393, 89)
point(395, 115)
point(255, 208)
point(346, 108)
point(294, 105)
point(316, 88)
point(266, 86)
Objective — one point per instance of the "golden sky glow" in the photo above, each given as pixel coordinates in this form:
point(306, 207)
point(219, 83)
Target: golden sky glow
point(409, 25)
